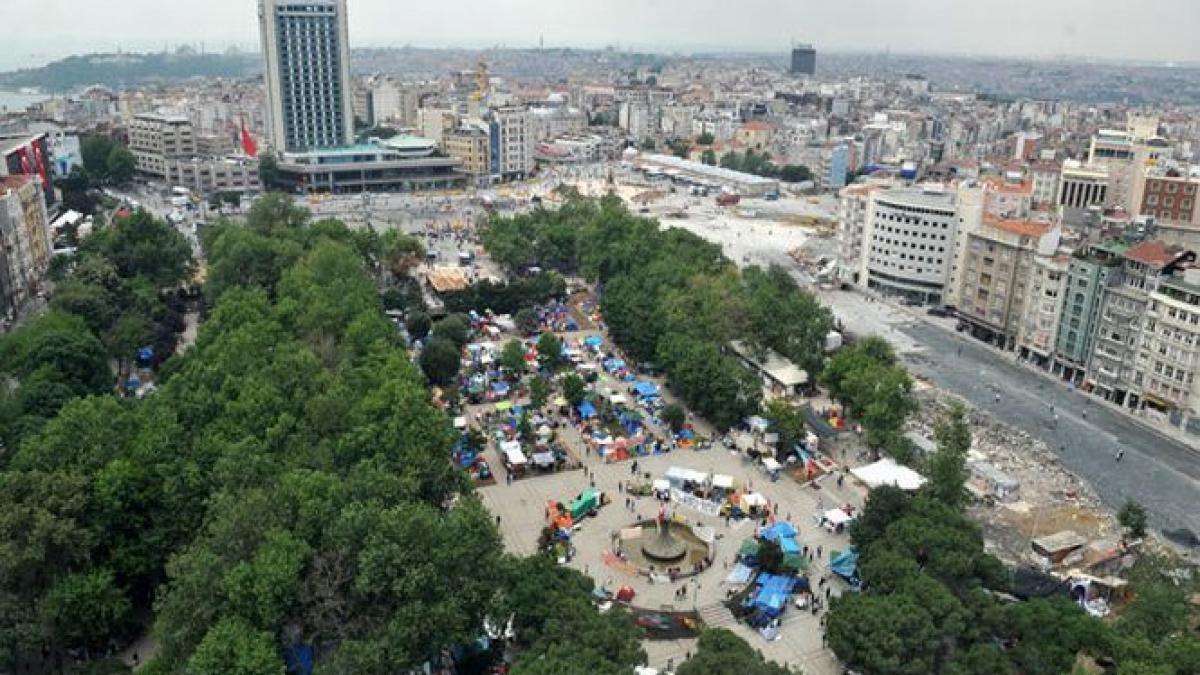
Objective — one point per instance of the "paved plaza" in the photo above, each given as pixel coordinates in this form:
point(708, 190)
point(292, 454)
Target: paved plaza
point(521, 505)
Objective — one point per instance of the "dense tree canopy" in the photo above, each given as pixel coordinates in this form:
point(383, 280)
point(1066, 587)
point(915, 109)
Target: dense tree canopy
point(671, 298)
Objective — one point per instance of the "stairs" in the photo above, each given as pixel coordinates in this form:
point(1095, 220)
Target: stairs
point(717, 616)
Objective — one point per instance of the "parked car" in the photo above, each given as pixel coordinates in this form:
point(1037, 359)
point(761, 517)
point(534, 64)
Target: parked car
point(939, 311)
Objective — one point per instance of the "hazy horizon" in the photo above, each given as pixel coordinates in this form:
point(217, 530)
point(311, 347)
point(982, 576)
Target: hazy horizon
point(1075, 29)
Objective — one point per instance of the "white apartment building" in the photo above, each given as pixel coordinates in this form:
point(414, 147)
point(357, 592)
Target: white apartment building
point(1169, 360)
point(909, 243)
point(639, 119)
point(1043, 308)
point(512, 142)
point(154, 139)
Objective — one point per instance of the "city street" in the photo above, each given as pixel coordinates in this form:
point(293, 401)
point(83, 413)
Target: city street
point(1161, 474)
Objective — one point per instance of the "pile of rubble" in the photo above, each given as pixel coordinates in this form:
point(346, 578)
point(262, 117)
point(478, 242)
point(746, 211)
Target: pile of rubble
point(1029, 493)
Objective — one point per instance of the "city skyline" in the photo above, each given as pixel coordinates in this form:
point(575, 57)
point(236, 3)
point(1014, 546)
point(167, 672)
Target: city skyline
point(1019, 28)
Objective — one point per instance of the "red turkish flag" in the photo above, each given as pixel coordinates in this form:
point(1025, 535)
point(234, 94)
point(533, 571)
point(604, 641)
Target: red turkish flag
point(248, 145)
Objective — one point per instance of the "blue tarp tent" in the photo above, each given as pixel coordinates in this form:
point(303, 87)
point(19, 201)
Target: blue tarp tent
point(780, 530)
point(773, 593)
point(593, 341)
point(788, 545)
point(299, 659)
point(740, 574)
point(845, 565)
point(587, 410)
point(500, 388)
point(646, 389)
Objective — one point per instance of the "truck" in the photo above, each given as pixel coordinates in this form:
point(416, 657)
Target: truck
point(728, 199)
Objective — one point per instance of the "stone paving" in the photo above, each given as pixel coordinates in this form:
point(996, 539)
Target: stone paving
point(521, 505)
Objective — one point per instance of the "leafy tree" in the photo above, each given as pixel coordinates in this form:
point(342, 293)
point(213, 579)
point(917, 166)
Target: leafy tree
point(401, 252)
point(883, 634)
point(240, 256)
point(512, 358)
point(705, 139)
point(795, 173)
point(527, 321)
point(946, 468)
point(234, 648)
point(549, 352)
point(142, 245)
point(95, 150)
point(456, 328)
point(120, 165)
point(75, 191)
point(539, 393)
point(57, 347)
point(418, 325)
point(276, 213)
point(1132, 517)
point(674, 416)
point(786, 421)
point(440, 360)
point(719, 651)
point(574, 389)
point(84, 609)
point(708, 157)
point(268, 170)
point(885, 505)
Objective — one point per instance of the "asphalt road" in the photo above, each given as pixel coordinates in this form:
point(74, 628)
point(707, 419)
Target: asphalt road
point(1160, 473)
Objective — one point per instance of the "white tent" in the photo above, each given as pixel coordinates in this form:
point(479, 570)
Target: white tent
point(887, 472)
point(838, 517)
point(770, 464)
point(678, 475)
point(754, 499)
point(460, 423)
point(512, 452)
point(722, 481)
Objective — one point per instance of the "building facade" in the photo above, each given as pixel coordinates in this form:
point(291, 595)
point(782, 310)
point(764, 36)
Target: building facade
point(997, 265)
point(804, 60)
point(512, 143)
point(1113, 366)
point(469, 145)
point(307, 50)
point(156, 139)
point(1043, 308)
point(214, 174)
point(1169, 359)
point(25, 244)
point(1082, 186)
point(398, 164)
point(909, 243)
point(1088, 272)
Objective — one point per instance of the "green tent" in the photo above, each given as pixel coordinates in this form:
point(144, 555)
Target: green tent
point(584, 503)
point(794, 562)
point(749, 547)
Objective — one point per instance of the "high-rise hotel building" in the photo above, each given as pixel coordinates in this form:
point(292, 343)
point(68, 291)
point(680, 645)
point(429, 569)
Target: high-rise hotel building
point(307, 51)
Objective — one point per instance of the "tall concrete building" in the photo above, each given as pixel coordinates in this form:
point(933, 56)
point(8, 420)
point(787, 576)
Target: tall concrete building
point(156, 139)
point(307, 51)
point(804, 60)
point(908, 243)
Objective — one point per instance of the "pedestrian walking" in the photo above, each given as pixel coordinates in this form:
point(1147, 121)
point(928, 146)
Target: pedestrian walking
point(818, 551)
point(1120, 454)
point(497, 521)
point(828, 589)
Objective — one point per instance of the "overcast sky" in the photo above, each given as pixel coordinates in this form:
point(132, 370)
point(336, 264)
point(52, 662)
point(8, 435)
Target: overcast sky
point(1162, 30)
